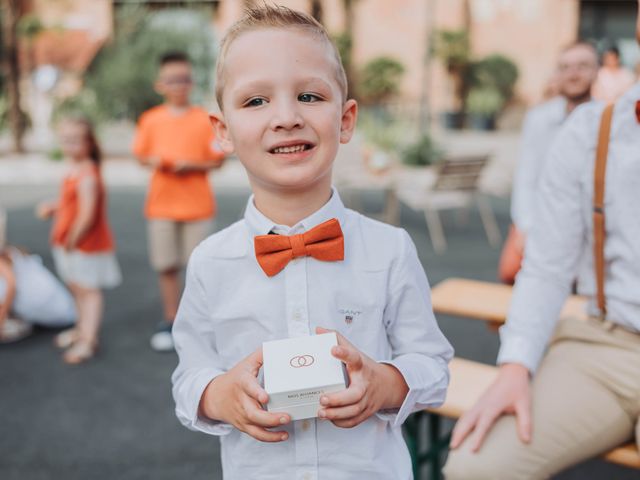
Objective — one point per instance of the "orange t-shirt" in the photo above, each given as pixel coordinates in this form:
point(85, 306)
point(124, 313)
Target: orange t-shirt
point(98, 238)
point(187, 136)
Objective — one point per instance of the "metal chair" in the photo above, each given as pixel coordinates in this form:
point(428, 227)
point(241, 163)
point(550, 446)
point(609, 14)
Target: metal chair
point(453, 185)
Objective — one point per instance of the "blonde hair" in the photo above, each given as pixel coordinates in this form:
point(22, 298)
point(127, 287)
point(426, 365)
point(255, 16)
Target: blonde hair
point(279, 17)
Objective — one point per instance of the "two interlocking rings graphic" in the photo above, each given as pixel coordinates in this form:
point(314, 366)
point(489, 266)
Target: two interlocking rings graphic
point(301, 361)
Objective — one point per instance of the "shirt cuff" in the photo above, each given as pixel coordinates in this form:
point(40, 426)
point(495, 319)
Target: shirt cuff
point(427, 379)
point(516, 349)
point(187, 410)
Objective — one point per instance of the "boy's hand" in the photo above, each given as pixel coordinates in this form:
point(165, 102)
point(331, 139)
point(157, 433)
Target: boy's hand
point(181, 166)
point(373, 386)
point(45, 210)
point(235, 397)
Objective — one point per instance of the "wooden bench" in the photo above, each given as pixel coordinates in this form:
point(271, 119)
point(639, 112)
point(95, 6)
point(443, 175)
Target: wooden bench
point(485, 301)
point(489, 302)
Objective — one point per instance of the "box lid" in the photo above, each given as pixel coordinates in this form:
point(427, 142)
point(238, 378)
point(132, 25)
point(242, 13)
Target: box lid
point(300, 363)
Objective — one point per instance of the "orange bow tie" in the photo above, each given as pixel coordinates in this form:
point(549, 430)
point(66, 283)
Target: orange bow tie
point(638, 110)
point(323, 242)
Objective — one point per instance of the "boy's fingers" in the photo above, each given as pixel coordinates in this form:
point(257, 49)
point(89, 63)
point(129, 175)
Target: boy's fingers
point(342, 413)
point(254, 361)
point(351, 422)
point(262, 418)
point(349, 396)
point(265, 435)
point(341, 339)
point(349, 355)
point(252, 388)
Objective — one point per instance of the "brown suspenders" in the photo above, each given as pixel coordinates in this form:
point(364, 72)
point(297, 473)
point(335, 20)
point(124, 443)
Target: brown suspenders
point(598, 205)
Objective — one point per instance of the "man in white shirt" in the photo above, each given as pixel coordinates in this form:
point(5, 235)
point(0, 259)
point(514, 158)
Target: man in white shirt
point(549, 410)
point(576, 72)
point(299, 262)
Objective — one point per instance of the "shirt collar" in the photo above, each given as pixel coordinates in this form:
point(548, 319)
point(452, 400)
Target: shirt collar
point(259, 224)
point(626, 104)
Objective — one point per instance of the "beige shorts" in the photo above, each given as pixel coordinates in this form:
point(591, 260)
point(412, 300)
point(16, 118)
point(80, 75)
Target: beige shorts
point(171, 242)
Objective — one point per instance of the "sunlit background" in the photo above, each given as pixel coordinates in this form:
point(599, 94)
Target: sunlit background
point(436, 80)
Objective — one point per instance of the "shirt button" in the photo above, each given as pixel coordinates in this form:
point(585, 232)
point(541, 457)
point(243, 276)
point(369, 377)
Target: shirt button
point(305, 425)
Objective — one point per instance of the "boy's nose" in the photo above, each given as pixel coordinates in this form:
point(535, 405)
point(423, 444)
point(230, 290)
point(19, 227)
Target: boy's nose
point(286, 117)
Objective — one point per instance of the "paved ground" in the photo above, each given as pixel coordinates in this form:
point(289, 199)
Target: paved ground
point(113, 418)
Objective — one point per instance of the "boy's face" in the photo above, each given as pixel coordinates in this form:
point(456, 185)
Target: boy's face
point(283, 111)
point(175, 82)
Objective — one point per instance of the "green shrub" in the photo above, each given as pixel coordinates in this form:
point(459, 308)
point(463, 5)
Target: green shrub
point(497, 72)
point(453, 48)
point(486, 101)
point(422, 152)
point(121, 77)
point(379, 79)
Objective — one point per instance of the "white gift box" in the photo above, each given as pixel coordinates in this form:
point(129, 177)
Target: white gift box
point(298, 371)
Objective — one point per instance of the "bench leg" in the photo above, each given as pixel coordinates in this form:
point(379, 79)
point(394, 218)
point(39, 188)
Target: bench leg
point(437, 443)
point(412, 433)
point(436, 232)
point(489, 221)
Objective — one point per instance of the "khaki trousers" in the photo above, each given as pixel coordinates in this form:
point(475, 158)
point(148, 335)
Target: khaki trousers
point(585, 401)
point(171, 242)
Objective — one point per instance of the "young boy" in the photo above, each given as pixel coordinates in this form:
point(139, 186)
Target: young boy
point(282, 92)
point(177, 141)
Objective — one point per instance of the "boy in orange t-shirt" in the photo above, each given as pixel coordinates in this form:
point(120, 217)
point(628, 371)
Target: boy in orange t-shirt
point(177, 141)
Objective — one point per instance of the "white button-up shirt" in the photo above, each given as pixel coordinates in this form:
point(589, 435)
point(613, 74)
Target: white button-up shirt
point(541, 125)
point(562, 232)
point(378, 298)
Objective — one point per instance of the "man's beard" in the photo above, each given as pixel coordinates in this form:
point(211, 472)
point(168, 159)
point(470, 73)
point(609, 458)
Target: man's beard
point(577, 98)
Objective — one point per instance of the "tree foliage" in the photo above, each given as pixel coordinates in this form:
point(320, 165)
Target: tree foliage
point(119, 83)
point(380, 79)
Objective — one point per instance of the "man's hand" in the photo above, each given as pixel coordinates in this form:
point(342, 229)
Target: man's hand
point(509, 394)
point(372, 386)
point(235, 397)
point(519, 239)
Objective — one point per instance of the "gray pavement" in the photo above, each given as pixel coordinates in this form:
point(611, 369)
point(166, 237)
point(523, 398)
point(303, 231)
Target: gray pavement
point(113, 418)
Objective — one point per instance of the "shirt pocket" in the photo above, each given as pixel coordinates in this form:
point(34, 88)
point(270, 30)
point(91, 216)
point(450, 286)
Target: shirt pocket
point(357, 312)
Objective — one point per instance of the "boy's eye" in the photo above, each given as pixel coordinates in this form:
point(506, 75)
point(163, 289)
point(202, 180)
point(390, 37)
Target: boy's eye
point(308, 98)
point(255, 102)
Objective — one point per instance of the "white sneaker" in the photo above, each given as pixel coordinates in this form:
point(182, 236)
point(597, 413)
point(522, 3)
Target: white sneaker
point(162, 341)
point(14, 330)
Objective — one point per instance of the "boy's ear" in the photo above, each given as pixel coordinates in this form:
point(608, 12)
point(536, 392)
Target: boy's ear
point(158, 87)
point(348, 122)
point(222, 132)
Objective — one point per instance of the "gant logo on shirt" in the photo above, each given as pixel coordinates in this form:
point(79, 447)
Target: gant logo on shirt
point(302, 361)
point(349, 315)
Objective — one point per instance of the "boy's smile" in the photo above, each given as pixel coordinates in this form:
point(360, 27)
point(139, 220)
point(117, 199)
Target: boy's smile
point(284, 115)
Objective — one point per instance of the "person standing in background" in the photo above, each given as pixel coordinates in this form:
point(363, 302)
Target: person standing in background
point(613, 78)
point(577, 70)
point(177, 141)
point(82, 243)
